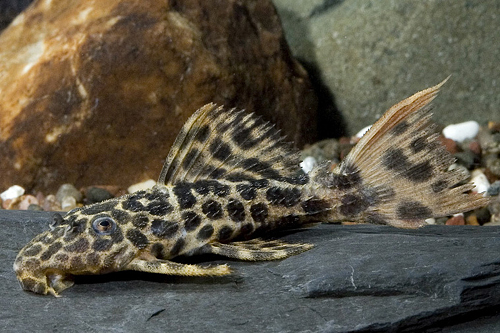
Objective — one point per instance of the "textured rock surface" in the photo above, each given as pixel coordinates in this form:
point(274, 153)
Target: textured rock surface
point(371, 54)
point(94, 92)
point(356, 279)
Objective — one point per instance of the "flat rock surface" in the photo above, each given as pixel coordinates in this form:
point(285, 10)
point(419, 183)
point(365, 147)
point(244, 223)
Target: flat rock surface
point(358, 278)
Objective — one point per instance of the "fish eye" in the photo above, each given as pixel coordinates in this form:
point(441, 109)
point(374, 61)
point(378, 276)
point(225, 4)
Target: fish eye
point(104, 225)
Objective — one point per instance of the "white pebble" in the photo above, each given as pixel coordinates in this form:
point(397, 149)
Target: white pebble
point(12, 192)
point(480, 181)
point(308, 164)
point(141, 186)
point(462, 131)
point(363, 131)
point(68, 203)
point(430, 221)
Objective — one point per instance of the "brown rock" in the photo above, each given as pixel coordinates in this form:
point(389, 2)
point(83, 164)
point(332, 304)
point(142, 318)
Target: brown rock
point(456, 220)
point(450, 145)
point(94, 92)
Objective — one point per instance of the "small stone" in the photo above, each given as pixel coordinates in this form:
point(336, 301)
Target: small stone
point(483, 215)
point(50, 204)
point(494, 126)
point(449, 144)
point(457, 219)
point(97, 194)
point(462, 131)
point(363, 131)
point(26, 201)
point(308, 164)
point(466, 158)
point(475, 148)
point(12, 192)
point(494, 189)
point(480, 181)
point(68, 190)
point(471, 220)
point(68, 203)
point(492, 162)
point(141, 186)
point(430, 221)
point(35, 207)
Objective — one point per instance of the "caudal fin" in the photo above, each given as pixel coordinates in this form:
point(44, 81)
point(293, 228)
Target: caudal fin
point(397, 174)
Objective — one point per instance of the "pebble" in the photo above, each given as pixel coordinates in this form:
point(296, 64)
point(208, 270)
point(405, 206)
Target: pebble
point(466, 158)
point(462, 131)
point(430, 221)
point(308, 164)
point(26, 201)
point(492, 162)
point(68, 203)
point(449, 144)
point(35, 207)
point(68, 190)
point(12, 192)
point(480, 181)
point(363, 131)
point(471, 220)
point(457, 219)
point(141, 186)
point(494, 189)
point(97, 194)
point(50, 204)
point(483, 215)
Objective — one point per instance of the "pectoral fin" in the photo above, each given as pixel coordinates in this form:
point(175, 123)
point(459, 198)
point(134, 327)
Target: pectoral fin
point(173, 268)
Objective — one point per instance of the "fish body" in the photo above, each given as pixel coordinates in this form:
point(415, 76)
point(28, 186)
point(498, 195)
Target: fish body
point(230, 178)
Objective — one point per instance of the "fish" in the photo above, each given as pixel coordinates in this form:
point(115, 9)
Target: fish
point(230, 179)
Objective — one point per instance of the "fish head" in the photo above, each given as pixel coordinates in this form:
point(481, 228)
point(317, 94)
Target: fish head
point(88, 240)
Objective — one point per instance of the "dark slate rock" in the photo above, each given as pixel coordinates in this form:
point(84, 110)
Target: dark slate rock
point(356, 279)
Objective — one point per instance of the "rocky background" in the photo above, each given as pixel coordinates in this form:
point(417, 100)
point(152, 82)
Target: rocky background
point(368, 55)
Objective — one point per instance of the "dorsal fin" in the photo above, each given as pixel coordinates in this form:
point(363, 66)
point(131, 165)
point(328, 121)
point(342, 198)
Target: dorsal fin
point(216, 143)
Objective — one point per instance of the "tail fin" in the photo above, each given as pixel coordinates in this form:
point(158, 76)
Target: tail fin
point(398, 174)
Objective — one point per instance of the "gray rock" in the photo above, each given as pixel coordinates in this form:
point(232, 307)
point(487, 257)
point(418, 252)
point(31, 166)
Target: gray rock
point(372, 54)
point(68, 190)
point(97, 194)
point(356, 279)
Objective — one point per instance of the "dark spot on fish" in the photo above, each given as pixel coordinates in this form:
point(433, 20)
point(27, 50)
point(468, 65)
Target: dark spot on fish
point(212, 209)
point(259, 183)
point(178, 246)
point(101, 244)
point(157, 250)
point(99, 208)
point(279, 196)
point(137, 238)
point(120, 216)
point(217, 173)
point(287, 221)
point(352, 205)
point(51, 251)
point(419, 173)
point(395, 159)
point(205, 232)
point(33, 285)
point(315, 206)
point(220, 150)
point(140, 221)
point(418, 145)
point(202, 134)
point(375, 218)
point(225, 233)
point(246, 229)
point(191, 220)
point(76, 263)
point(439, 185)
point(242, 137)
point(348, 177)
point(238, 177)
point(184, 196)
point(79, 246)
point(413, 210)
point(204, 187)
point(190, 156)
point(246, 191)
point(262, 168)
point(235, 210)
point(159, 208)
point(132, 205)
point(92, 259)
point(259, 212)
point(300, 179)
point(117, 236)
point(32, 250)
point(400, 128)
point(61, 257)
point(164, 229)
